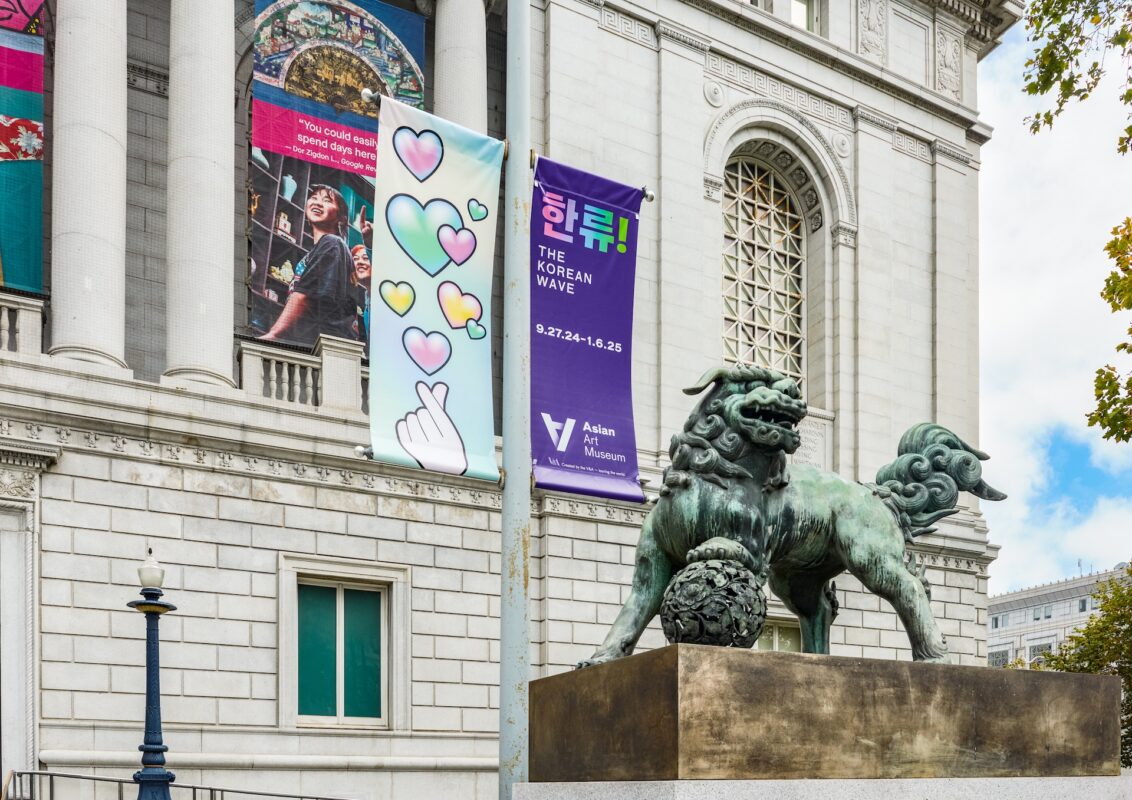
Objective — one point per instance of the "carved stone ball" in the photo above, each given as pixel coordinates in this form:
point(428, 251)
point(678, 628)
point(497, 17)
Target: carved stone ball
point(713, 602)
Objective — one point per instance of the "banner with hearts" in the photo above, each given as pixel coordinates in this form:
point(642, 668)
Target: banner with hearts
point(431, 403)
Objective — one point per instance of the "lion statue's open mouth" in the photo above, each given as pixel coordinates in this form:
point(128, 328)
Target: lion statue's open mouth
point(730, 495)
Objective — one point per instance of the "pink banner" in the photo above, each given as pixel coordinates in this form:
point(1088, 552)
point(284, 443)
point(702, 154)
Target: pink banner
point(292, 133)
point(21, 70)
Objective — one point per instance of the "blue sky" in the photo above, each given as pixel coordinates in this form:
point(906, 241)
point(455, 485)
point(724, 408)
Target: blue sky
point(1047, 204)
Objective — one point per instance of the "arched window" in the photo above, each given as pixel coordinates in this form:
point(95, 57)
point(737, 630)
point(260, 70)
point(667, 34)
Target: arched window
point(764, 260)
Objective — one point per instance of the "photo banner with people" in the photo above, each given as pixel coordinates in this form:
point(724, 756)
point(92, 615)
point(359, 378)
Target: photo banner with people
point(312, 159)
point(583, 267)
point(430, 341)
point(21, 145)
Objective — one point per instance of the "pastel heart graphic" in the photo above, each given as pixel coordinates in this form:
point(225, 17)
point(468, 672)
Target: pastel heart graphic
point(414, 228)
point(458, 244)
point(421, 153)
point(398, 296)
point(457, 306)
point(475, 330)
point(477, 210)
point(429, 351)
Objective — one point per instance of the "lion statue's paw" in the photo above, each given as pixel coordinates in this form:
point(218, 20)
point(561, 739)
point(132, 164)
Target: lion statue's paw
point(722, 549)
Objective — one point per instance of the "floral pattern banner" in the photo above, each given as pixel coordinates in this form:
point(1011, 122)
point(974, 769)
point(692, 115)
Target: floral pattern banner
point(313, 157)
point(21, 145)
point(430, 345)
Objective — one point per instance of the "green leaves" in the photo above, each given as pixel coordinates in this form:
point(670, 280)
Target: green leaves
point(1104, 647)
point(1113, 392)
point(1071, 40)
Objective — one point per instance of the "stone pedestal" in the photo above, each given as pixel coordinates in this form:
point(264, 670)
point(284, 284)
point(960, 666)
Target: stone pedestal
point(693, 713)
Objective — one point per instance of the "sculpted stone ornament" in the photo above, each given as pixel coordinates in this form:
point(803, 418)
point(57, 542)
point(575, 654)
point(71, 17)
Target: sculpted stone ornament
point(730, 496)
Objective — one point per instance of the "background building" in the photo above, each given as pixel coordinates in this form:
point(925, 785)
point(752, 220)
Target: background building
point(816, 171)
point(1027, 623)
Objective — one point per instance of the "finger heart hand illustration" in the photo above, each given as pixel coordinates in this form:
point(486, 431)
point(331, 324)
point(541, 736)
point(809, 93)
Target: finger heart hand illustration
point(421, 153)
point(458, 244)
point(429, 435)
point(459, 308)
point(429, 351)
point(398, 296)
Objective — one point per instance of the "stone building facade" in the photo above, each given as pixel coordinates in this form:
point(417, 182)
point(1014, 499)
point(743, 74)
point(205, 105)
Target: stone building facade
point(129, 421)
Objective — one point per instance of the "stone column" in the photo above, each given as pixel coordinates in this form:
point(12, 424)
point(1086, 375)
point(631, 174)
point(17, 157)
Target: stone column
point(88, 238)
point(200, 194)
point(460, 64)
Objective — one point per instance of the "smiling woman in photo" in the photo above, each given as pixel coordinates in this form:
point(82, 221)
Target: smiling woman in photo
point(321, 295)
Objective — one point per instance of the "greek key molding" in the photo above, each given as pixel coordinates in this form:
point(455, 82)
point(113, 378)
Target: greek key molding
point(630, 28)
point(147, 79)
point(763, 84)
point(942, 149)
point(666, 30)
point(906, 143)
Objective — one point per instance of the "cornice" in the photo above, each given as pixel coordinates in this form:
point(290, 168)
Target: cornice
point(666, 30)
point(866, 115)
point(24, 454)
point(822, 52)
point(942, 149)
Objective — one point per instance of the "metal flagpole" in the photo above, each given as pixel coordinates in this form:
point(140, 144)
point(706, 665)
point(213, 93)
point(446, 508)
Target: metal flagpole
point(514, 634)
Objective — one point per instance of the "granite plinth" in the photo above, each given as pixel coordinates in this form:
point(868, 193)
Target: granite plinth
point(1096, 788)
point(688, 712)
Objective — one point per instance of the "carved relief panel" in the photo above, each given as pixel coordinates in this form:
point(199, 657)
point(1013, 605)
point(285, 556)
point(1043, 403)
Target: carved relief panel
point(948, 63)
point(872, 29)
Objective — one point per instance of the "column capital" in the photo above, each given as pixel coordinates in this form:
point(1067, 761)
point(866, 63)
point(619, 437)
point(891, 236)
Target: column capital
point(428, 7)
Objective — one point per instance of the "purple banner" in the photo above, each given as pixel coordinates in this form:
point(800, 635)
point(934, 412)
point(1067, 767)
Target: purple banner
point(583, 264)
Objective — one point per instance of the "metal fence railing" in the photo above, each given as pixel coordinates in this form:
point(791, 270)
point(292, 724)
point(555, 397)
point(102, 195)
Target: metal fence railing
point(42, 785)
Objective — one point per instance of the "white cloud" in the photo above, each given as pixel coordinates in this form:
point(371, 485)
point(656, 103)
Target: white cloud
point(1047, 205)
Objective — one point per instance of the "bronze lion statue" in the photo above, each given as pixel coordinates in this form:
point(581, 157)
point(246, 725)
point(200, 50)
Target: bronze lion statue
point(729, 494)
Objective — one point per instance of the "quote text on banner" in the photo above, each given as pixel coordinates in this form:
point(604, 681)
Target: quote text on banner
point(583, 265)
point(430, 339)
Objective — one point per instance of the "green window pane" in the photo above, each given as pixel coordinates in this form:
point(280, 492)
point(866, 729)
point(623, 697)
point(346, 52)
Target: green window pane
point(363, 653)
point(766, 638)
point(318, 612)
point(789, 639)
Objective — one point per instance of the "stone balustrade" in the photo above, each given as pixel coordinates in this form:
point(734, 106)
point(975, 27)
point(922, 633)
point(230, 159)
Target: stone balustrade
point(21, 325)
point(332, 377)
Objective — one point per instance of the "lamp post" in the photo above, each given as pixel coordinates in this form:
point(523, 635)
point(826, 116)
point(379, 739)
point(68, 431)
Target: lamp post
point(153, 779)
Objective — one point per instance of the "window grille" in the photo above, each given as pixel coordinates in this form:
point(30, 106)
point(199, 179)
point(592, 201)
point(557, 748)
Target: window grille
point(998, 658)
point(763, 266)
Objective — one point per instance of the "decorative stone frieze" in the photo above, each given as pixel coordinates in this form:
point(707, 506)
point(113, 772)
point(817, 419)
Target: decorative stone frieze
point(146, 78)
point(631, 28)
point(906, 143)
point(867, 116)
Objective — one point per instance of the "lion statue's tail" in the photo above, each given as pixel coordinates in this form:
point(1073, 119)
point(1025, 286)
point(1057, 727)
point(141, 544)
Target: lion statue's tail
point(922, 485)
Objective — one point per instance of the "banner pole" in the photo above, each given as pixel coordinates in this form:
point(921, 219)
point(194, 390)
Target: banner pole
point(514, 624)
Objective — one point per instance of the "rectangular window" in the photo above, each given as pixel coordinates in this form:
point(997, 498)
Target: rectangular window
point(998, 658)
point(1037, 651)
point(1037, 613)
point(344, 643)
point(1093, 603)
point(1083, 605)
point(803, 15)
point(994, 622)
point(1048, 612)
point(340, 637)
point(782, 637)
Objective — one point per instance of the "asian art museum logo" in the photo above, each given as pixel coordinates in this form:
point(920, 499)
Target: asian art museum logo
point(560, 432)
